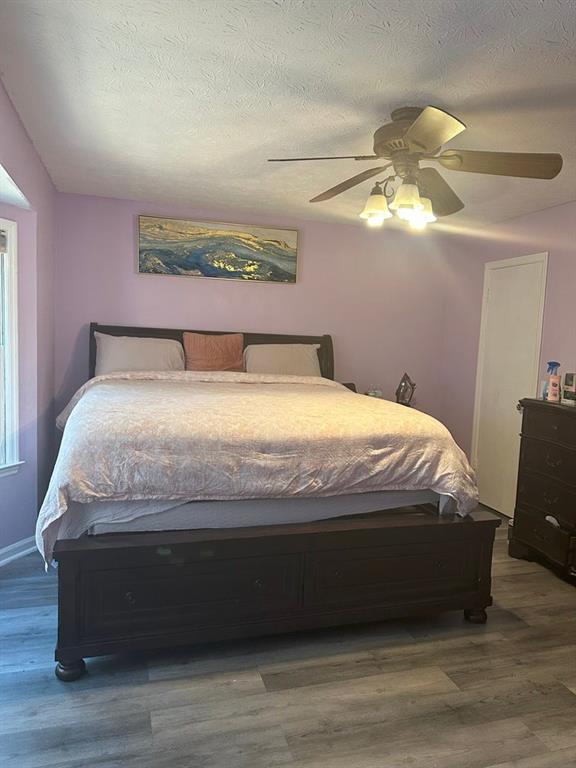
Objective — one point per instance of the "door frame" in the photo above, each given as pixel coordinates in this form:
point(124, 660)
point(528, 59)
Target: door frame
point(491, 266)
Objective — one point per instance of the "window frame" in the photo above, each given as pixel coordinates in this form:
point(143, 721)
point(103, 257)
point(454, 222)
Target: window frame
point(9, 309)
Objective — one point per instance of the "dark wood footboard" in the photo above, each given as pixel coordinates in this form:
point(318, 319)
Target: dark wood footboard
point(150, 590)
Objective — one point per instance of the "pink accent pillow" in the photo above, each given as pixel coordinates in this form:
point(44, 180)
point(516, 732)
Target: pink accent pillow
point(206, 352)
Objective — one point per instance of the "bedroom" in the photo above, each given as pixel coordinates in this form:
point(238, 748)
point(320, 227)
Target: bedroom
point(262, 570)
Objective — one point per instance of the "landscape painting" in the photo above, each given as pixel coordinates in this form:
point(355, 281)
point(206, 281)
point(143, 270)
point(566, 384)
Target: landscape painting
point(211, 249)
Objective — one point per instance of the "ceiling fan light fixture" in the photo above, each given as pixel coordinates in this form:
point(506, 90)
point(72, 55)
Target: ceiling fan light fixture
point(419, 219)
point(376, 207)
point(407, 198)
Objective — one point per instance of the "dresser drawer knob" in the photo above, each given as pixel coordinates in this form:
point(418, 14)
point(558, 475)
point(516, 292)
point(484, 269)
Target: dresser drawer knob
point(258, 583)
point(130, 599)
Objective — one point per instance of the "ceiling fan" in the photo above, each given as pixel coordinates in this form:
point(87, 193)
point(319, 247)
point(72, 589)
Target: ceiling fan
point(417, 134)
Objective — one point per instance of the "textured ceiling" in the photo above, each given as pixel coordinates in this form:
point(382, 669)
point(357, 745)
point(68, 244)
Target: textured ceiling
point(183, 100)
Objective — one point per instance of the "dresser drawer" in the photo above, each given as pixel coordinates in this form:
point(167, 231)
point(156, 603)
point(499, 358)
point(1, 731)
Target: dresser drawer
point(555, 461)
point(550, 424)
point(210, 594)
point(548, 496)
point(554, 543)
point(385, 574)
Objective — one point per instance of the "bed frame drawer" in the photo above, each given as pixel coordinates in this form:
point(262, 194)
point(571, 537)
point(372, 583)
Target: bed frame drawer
point(199, 594)
point(141, 591)
point(386, 574)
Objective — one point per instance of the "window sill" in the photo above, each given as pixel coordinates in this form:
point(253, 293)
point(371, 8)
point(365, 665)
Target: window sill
point(11, 469)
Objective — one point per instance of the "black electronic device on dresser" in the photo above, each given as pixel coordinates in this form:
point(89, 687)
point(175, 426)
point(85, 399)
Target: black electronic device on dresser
point(545, 514)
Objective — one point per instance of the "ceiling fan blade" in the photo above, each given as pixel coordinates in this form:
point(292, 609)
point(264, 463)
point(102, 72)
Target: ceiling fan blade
point(344, 185)
point(432, 128)
point(342, 157)
point(522, 164)
point(444, 200)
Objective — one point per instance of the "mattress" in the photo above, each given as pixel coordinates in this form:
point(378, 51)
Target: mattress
point(130, 517)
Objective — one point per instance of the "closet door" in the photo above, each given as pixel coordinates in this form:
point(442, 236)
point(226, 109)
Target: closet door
point(508, 370)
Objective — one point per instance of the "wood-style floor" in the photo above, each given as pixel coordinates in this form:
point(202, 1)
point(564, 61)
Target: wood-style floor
point(436, 693)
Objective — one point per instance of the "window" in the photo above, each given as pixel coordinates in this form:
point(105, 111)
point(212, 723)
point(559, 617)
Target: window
point(9, 458)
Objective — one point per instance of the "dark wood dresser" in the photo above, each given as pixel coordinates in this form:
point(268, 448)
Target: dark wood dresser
point(545, 513)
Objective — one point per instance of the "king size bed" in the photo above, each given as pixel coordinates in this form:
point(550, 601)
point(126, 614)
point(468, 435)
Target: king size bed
point(192, 506)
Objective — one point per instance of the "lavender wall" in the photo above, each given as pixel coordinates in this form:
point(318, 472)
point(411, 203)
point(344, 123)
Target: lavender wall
point(380, 294)
point(19, 493)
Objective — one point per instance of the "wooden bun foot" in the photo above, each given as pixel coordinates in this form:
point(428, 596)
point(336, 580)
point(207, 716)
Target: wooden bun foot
point(476, 615)
point(69, 671)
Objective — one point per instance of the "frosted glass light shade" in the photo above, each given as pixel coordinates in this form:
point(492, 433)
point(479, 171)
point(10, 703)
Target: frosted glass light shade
point(376, 206)
point(406, 197)
point(419, 219)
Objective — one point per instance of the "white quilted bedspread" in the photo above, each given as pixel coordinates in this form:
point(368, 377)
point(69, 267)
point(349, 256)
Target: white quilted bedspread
point(200, 436)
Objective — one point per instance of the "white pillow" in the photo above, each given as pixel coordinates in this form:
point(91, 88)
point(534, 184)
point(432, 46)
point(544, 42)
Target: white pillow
point(283, 359)
point(130, 353)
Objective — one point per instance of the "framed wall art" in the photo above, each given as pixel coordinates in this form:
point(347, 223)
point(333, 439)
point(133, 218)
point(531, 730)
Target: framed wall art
point(186, 248)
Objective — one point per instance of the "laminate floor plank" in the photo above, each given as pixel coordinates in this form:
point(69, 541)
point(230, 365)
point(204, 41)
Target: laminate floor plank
point(40, 748)
point(393, 658)
point(431, 692)
point(65, 704)
point(422, 745)
point(562, 758)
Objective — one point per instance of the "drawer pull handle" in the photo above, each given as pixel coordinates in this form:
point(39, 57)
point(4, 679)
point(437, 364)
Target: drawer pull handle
point(258, 583)
point(553, 463)
point(337, 574)
point(164, 551)
point(130, 599)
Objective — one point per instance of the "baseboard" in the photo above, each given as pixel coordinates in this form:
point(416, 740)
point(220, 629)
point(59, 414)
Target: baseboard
point(16, 550)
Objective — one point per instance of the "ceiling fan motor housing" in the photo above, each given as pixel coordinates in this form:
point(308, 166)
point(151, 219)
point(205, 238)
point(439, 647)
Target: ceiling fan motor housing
point(389, 138)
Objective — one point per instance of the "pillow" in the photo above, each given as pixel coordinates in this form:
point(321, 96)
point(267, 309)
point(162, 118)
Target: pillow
point(130, 353)
point(286, 359)
point(208, 352)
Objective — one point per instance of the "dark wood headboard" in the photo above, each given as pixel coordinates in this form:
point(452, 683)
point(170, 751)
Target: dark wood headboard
point(325, 350)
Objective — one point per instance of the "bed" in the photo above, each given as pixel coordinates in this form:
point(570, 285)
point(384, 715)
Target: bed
point(189, 507)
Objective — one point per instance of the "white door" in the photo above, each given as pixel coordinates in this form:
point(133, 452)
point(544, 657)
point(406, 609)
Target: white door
point(508, 370)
